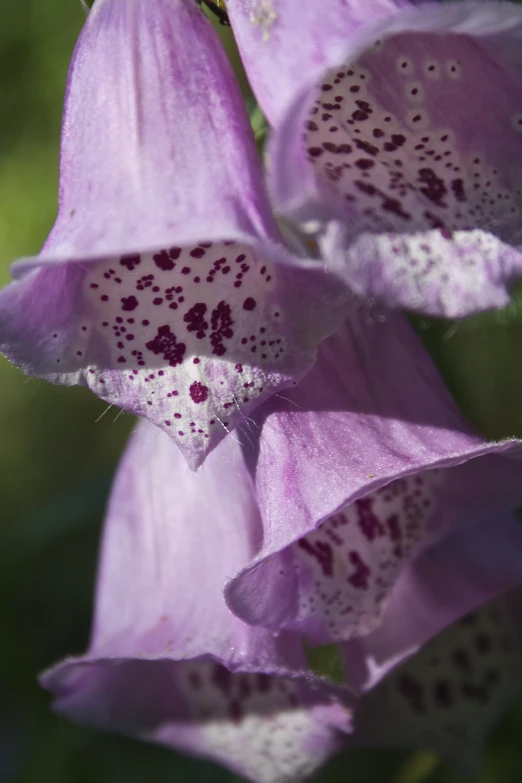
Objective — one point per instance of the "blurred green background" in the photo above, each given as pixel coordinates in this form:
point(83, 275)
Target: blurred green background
point(59, 448)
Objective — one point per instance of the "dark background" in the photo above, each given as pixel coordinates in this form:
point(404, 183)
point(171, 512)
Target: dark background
point(59, 448)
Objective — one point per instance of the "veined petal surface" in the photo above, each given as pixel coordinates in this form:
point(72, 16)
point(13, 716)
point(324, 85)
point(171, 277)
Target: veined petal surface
point(168, 662)
point(284, 44)
point(164, 285)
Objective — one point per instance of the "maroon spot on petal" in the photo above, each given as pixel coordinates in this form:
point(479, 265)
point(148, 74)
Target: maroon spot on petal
point(330, 146)
point(129, 303)
point(249, 304)
point(130, 261)
point(395, 206)
point(433, 186)
point(365, 146)
point(360, 577)
point(221, 323)
point(365, 187)
point(163, 261)
point(197, 252)
point(364, 163)
point(457, 186)
point(369, 523)
point(321, 552)
point(165, 343)
point(195, 318)
point(198, 392)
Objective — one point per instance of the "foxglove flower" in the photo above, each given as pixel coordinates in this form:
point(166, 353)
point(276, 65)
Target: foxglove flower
point(355, 480)
point(170, 662)
point(163, 285)
point(397, 138)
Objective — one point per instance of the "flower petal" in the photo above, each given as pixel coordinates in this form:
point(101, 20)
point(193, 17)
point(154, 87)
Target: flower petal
point(267, 729)
point(286, 44)
point(354, 475)
point(165, 525)
point(156, 146)
point(420, 200)
point(451, 694)
point(168, 662)
point(163, 283)
point(447, 580)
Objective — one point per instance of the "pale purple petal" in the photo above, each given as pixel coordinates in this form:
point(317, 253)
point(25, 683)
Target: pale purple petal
point(163, 284)
point(168, 662)
point(409, 166)
point(345, 570)
point(284, 45)
point(357, 470)
point(175, 531)
point(267, 729)
point(446, 581)
point(450, 695)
